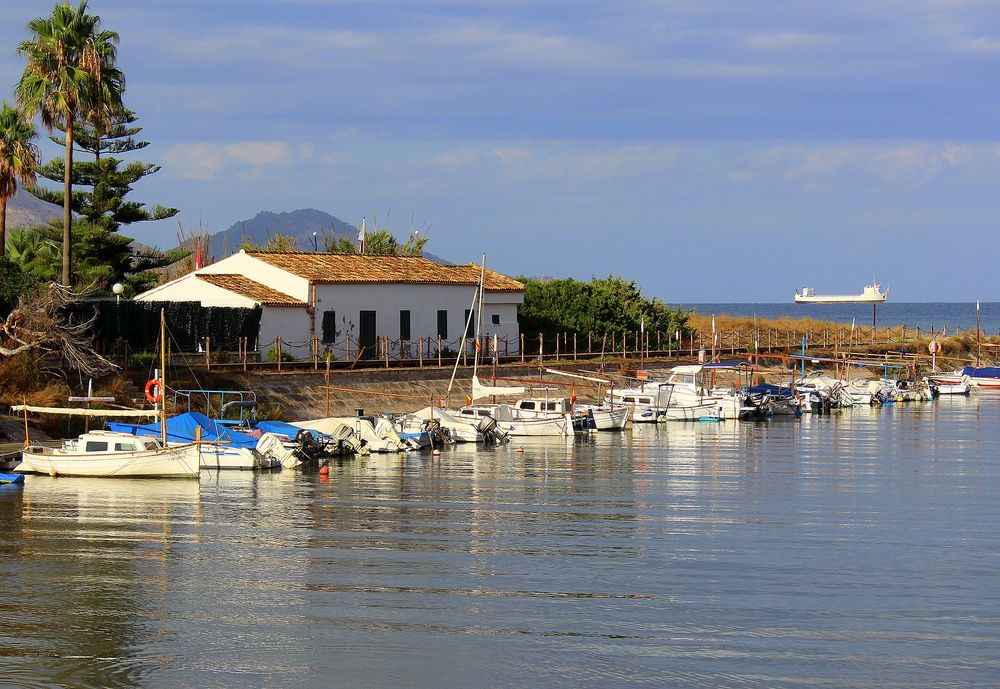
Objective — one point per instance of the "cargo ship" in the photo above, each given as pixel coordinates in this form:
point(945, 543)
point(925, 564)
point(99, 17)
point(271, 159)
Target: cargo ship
point(872, 294)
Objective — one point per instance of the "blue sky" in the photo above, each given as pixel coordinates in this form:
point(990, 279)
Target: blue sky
point(712, 151)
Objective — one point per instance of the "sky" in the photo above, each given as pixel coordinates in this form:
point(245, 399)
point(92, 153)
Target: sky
point(726, 151)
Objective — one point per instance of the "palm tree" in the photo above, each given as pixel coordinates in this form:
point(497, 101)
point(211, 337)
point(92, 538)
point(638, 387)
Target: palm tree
point(70, 71)
point(18, 160)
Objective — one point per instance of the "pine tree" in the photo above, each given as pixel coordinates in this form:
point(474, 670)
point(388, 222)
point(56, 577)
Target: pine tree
point(101, 185)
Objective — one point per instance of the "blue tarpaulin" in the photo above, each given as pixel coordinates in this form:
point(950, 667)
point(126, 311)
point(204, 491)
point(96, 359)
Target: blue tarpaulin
point(279, 428)
point(988, 372)
point(181, 429)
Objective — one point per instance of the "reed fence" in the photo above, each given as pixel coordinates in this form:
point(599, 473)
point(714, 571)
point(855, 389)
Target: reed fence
point(385, 352)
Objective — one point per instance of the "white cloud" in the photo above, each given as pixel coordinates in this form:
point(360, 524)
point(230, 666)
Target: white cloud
point(204, 161)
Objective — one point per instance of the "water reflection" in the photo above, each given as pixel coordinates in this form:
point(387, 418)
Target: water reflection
point(843, 551)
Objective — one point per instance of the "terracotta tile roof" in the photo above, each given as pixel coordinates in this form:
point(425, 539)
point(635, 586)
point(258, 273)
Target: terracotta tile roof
point(354, 268)
point(250, 289)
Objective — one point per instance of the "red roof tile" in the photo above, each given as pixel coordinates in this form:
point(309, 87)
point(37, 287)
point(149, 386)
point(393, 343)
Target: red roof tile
point(244, 286)
point(355, 268)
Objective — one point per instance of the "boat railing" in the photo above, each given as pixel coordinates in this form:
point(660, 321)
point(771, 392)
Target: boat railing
point(226, 399)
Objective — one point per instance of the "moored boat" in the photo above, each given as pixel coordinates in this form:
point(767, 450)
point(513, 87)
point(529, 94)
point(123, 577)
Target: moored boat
point(112, 454)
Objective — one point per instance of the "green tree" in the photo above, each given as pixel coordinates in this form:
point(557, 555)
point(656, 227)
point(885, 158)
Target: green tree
point(14, 282)
point(338, 245)
point(18, 160)
point(70, 72)
point(600, 306)
point(277, 242)
point(35, 254)
point(100, 200)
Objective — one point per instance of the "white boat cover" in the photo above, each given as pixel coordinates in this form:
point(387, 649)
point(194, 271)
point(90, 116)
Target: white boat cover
point(72, 411)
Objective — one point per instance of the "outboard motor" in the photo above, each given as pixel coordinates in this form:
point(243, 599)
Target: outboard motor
point(491, 432)
point(309, 448)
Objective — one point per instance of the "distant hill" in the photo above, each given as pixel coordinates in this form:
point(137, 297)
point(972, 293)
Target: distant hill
point(24, 210)
point(299, 224)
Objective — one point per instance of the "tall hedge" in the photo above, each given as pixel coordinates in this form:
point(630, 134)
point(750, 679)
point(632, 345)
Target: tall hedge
point(138, 323)
point(603, 305)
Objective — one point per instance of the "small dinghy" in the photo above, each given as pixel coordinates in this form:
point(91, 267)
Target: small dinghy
point(11, 478)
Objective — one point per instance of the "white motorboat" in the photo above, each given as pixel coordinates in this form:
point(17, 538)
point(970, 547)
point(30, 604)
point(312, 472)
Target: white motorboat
point(646, 401)
point(377, 433)
point(112, 454)
point(511, 423)
point(605, 418)
point(949, 383)
point(456, 429)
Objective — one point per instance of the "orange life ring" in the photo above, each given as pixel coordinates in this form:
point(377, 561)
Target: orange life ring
point(155, 383)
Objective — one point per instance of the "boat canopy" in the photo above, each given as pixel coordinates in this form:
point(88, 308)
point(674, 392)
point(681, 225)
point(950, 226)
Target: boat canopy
point(75, 411)
point(986, 372)
point(691, 369)
point(183, 429)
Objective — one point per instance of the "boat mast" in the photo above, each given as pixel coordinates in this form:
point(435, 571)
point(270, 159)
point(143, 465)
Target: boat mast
point(163, 378)
point(468, 323)
point(479, 317)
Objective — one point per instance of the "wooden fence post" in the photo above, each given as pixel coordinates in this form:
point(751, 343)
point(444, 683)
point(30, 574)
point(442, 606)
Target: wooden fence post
point(439, 350)
point(208, 353)
point(326, 378)
point(420, 352)
point(522, 348)
point(277, 350)
point(557, 346)
point(574, 346)
point(541, 347)
point(385, 348)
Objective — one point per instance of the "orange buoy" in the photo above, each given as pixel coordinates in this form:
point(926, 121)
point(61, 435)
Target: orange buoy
point(154, 392)
point(324, 470)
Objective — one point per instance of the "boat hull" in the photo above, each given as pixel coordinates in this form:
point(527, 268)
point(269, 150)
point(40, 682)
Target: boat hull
point(171, 462)
point(609, 419)
point(556, 426)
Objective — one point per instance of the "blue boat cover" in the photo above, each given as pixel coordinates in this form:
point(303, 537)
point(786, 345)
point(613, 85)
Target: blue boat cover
point(775, 390)
point(281, 428)
point(989, 372)
point(11, 478)
point(181, 429)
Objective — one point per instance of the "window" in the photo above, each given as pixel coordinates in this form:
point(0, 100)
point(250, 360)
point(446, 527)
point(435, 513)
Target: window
point(471, 321)
point(528, 405)
point(124, 447)
point(93, 446)
point(495, 319)
point(404, 325)
point(550, 406)
point(329, 327)
point(443, 324)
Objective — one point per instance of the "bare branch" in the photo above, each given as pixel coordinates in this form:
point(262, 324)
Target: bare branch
point(44, 321)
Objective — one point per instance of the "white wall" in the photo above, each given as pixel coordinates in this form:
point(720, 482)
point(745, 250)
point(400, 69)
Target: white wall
point(423, 302)
point(264, 273)
point(291, 323)
point(190, 288)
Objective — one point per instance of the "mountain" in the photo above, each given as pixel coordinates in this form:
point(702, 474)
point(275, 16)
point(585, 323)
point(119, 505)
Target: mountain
point(24, 210)
point(299, 224)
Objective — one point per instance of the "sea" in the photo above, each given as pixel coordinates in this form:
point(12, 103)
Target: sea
point(926, 315)
point(846, 551)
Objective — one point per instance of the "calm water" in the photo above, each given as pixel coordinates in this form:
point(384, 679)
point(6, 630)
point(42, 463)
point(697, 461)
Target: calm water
point(859, 550)
point(924, 314)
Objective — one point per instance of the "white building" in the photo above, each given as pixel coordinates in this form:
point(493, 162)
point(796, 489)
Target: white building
point(347, 301)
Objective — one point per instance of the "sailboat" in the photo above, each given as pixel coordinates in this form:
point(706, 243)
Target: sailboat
point(503, 417)
point(112, 453)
